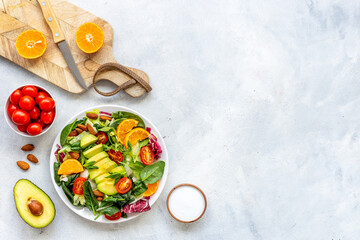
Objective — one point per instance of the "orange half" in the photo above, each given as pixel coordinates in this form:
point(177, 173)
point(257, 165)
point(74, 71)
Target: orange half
point(31, 44)
point(70, 166)
point(152, 188)
point(136, 135)
point(89, 37)
point(124, 127)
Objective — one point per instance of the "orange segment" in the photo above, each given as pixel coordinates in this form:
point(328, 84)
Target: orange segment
point(135, 135)
point(70, 166)
point(89, 37)
point(152, 188)
point(31, 44)
point(124, 127)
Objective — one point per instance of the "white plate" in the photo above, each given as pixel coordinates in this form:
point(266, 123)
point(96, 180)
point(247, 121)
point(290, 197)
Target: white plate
point(84, 211)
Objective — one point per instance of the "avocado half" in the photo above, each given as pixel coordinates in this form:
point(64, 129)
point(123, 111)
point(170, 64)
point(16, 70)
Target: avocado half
point(23, 190)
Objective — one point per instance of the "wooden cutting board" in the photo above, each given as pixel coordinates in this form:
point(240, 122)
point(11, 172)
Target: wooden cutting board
point(17, 16)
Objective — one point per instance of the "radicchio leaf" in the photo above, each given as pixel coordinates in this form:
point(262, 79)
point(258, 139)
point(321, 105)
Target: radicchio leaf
point(59, 156)
point(139, 206)
point(155, 146)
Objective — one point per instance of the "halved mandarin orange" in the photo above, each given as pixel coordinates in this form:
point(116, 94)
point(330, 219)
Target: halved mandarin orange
point(124, 127)
point(70, 166)
point(136, 135)
point(152, 188)
point(89, 37)
point(31, 44)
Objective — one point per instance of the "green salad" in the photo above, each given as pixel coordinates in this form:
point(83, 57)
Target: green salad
point(109, 163)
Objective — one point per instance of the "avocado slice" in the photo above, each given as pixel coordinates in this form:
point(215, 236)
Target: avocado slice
point(107, 187)
point(87, 140)
point(98, 157)
point(105, 165)
point(102, 177)
point(93, 151)
point(26, 192)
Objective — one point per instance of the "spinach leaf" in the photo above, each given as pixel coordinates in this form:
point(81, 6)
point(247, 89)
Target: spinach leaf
point(116, 176)
point(153, 172)
point(56, 176)
point(107, 129)
point(138, 188)
point(116, 123)
point(82, 158)
point(90, 201)
point(71, 179)
point(67, 192)
point(127, 115)
point(137, 168)
point(90, 165)
point(110, 210)
point(66, 131)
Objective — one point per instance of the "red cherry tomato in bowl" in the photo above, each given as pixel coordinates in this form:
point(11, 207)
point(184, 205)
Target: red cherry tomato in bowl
point(78, 186)
point(30, 91)
point(102, 138)
point(11, 108)
point(34, 113)
point(146, 155)
point(22, 128)
point(113, 217)
point(47, 117)
point(47, 104)
point(123, 185)
point(39, 121)
point(26, 103)
point(20, 117)
point(117, 157)
point(34, 129)
point(15, 96)
point(40, 96)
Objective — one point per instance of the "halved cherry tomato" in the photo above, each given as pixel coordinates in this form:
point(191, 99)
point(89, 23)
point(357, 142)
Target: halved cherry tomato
point(102, 138)
point(27, 103)
point(20, 117)
point(47, 104)
point(123, 185)
point(15, 97)
point(146, 155)
point(78, 186)
point(11, 109)
point(34, 113)
point(47, 117)
point(113, 217)
point(115, 156)
point(40, 96)
point(34, 129)
point(22, 127)
point(30, 91)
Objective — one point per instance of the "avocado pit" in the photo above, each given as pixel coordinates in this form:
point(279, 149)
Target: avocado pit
point(35, 207)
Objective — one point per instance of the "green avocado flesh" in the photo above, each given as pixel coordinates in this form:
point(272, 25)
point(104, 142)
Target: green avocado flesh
point(23, 190)
point(102, 177)
point(98, 157)
point(107, 186)
point(86, 140)
point(93, 151)
point(104, 165)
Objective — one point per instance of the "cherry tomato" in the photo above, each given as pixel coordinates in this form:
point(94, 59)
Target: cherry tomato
point(47, 117)
point(40, 96)
point(78, 186)
point(34, 129)
point(47, 104)
point(102, 138)
point(123, 185)
point(115, 156)
point(39, 121)
point(30, 91)
point(21, 117)
point(15, 97)
point(26, 103)
point(11, 108)
point(22, 127)
point(113, 217)
point(34, 113)
point(146, 155)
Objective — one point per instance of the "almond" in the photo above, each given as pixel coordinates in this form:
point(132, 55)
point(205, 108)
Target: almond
point(104, 118)
point(28, 147)
point(74, 155)
point(73, 133)
point(23, 165)
point(99, 199)
point(32, 158)
point(82, 127)
point(91, 129)
point(92, 115)
point(98, 193)
point(79, 130)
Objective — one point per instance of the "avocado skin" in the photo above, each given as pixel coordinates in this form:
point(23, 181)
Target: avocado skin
point(23, 179)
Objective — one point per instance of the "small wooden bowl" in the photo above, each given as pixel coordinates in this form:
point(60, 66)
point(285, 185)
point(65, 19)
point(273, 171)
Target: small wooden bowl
point(182, 185)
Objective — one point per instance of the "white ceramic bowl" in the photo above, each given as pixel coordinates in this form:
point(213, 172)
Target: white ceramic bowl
point(13, 126)
point(84, 211)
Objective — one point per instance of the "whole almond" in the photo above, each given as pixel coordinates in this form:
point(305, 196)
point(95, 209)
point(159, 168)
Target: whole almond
point(82, 127)
point(23, 165)
point(92, 115)
point(79, 130)
point(98, 193)
point(91, 129)
point(32, 158)
point(99, 199)
point(74, 155)
point(104, 118)
point(28, 147)
point(73, 133)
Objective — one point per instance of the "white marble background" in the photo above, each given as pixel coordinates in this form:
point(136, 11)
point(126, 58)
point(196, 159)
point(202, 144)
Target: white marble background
point(259, 102)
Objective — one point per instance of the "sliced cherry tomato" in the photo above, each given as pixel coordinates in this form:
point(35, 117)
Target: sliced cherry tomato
point(47, 104)
point(34, 129)
point(40, 96)
point(47, 117)
point(22, 127)
point(15, 97)
point(102, 138)
point(123, 185)
point(146, 155)
point(26, 103)
point(113, 217)
point(78, 186)
point(115, 156)
point(30, 91)
point(20, 117)
point(39, 121)
point(11, 109)
point(34, 113)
